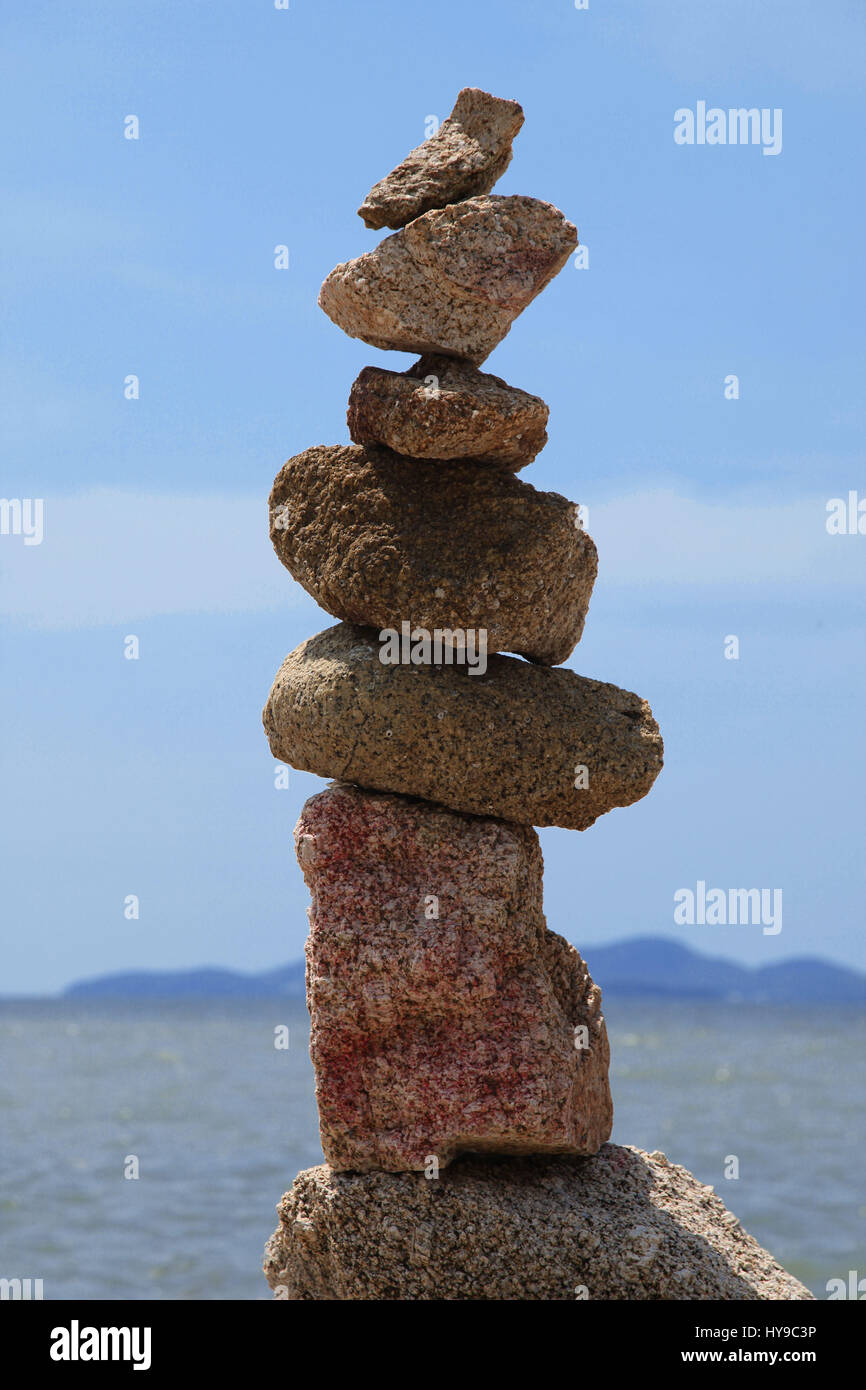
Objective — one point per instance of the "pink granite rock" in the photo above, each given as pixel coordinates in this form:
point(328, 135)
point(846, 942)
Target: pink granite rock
point(454, 280)
point(446, 1017)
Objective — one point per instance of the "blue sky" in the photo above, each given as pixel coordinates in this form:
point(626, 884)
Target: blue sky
point(155, 257)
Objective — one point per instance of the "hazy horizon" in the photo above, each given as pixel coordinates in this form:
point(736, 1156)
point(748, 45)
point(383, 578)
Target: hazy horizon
point(588, 949)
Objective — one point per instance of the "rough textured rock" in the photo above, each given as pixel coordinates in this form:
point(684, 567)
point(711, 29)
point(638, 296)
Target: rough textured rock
point(379, 539)
point(468, 153)
point(454, 280)
point(443, 408)
point(445, 1016)
point(621, 1225)
point(506, 743)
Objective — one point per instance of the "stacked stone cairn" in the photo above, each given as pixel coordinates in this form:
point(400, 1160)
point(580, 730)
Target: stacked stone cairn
point(459, 1047)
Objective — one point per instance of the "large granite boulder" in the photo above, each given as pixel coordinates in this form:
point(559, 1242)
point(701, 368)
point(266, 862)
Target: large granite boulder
point(621, 1225)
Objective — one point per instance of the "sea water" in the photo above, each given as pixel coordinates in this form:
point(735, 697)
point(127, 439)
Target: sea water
point(144, 1146)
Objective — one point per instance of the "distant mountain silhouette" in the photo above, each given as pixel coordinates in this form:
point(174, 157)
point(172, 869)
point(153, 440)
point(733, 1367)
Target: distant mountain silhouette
point(657, 966)
point(646, 966)
point(285, 982)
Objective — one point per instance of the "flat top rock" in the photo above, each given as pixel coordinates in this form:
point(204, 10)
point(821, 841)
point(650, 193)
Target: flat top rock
point(443, 408)
point(622, 1224)
point(454, 280)
point(379, 539)
point(468, 153)
point(509, 743)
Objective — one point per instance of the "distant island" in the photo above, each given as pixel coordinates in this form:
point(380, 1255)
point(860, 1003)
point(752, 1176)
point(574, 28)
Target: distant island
point(645, 966)
point(286, 982)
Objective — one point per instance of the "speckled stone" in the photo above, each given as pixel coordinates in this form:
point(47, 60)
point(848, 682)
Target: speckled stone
point(469, 152)
point(379, 539)
point(445, 1016)
point(443, 408)
point(623, 1224)
point(454, 280)
point(505, 744)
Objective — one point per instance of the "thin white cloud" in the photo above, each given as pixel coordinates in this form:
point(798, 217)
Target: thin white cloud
point(659, 537)
point(109, 557)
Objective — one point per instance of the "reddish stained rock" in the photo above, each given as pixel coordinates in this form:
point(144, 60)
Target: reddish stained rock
point(445, 1015)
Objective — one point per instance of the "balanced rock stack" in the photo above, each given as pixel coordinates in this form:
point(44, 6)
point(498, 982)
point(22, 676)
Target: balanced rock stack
point(459, 1047)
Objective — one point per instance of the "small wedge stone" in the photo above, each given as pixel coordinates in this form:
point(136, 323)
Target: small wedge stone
point(469, 152)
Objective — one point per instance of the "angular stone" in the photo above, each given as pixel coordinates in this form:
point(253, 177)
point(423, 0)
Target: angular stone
point(445, 1016)
point(454, 280)
point(622, 1225)
point(468, 153)
point(378, 539)
point(443, 408)
point(509, 743)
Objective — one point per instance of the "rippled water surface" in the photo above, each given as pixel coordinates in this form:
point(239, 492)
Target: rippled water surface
point(220, 1121)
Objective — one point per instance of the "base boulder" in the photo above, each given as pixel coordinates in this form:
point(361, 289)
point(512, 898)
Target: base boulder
point(623, 1224)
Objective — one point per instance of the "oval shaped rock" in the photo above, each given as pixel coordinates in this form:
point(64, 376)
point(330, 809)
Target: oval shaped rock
point(443, 408)
point(469, 152)
point(380, 540)
point(511, 743)
point(454, 280)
